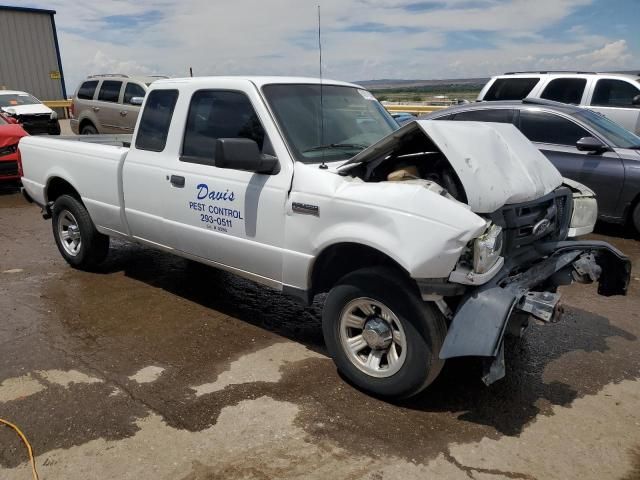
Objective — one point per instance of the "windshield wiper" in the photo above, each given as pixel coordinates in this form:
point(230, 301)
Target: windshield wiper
point(337, 146)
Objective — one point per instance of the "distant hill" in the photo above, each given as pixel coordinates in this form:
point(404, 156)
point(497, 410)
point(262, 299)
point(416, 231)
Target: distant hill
point(394, 84)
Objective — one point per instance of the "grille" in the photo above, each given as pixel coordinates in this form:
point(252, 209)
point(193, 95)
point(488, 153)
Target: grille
point(35, 124)
point(8, 169)
point(544, 219)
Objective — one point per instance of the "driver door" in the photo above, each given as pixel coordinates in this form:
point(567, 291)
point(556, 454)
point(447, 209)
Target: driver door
point(232, 217)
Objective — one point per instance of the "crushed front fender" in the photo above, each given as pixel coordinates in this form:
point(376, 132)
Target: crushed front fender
point(480, 321)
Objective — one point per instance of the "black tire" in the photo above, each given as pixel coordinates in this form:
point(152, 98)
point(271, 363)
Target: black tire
point(424, 327)
point(93, 246)
point(88, 129)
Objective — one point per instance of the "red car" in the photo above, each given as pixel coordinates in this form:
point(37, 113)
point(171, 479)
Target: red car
point(10, 134)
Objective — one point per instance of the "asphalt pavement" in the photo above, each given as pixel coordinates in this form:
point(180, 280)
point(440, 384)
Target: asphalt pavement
point(156, 368)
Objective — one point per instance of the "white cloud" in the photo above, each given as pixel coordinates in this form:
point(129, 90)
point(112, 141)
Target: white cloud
point(614, 54)
point(102, 62)
point(362, 38)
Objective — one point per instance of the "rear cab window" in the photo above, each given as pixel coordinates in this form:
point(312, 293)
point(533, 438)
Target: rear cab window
point(217, 114)
point(511, 88)
point(87, 90)
point(614, 93)
point(109, 91)
point(565, 90)
point(156, 119)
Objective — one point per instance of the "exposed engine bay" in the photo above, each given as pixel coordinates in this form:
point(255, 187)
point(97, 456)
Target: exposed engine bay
point(417, 160)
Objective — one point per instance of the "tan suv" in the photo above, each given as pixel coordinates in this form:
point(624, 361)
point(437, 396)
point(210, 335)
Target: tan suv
point(108, 103)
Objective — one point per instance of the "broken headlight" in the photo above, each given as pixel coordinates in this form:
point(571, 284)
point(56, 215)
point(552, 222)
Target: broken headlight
point(584, 216)
point(487, 249)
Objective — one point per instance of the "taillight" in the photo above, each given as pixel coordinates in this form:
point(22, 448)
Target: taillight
point(72, 110)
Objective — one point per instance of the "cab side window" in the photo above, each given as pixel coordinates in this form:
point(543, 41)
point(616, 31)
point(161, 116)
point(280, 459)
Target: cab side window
point(511, 88)
point(109, 91)
point(156, 119)
point(217, 114)
point(132, 90)
point(548, 128)
point(565, 90)
point(614, 93)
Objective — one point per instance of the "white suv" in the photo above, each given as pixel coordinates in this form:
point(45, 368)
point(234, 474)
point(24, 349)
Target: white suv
point(615, 95)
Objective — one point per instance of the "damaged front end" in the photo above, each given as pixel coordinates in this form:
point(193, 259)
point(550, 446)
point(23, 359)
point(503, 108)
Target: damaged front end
point(525, 288)
point(510, 273)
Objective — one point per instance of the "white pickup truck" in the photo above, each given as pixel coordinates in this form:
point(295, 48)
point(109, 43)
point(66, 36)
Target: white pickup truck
point(432, 240)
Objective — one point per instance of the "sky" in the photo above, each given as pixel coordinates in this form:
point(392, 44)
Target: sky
point(361, 39)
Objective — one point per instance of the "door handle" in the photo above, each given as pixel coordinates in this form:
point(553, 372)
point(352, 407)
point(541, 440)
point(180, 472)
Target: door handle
point(177, 181)
point(96, 109)
point(123, 113)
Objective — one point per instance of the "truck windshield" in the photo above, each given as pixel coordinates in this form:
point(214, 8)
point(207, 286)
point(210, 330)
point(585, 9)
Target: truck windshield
point(353, 119)
point(614, 133)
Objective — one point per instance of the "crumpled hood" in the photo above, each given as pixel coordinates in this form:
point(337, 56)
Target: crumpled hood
point(496, 164)
point(35, 109)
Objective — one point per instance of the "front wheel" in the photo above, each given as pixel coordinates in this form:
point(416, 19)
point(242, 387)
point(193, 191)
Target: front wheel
point(80, 244)
point(381, 335)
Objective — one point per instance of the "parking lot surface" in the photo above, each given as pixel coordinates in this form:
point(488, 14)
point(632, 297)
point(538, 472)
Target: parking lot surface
point(156, 368)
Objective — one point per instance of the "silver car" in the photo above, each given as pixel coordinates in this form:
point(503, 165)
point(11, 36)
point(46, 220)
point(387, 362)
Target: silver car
point(108, 103)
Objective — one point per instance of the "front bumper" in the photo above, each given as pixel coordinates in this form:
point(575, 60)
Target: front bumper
point(75, 126)
point(479, 324)
point(40, 125)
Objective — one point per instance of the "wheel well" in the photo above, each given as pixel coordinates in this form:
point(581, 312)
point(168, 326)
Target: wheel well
point(84, 123)
point(628, 213)
point(57, 187)
point(340, 259)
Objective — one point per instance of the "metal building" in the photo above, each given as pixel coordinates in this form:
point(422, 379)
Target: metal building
point(29, 53)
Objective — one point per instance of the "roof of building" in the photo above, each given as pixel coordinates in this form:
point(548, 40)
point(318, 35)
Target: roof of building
point(28, 9)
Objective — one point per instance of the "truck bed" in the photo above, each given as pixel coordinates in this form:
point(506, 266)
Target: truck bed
point(92, 165)
point(115, 140)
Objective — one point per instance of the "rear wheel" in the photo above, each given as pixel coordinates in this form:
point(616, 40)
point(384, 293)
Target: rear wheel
point(80, 244)
point(88, 129)
point(381, 335)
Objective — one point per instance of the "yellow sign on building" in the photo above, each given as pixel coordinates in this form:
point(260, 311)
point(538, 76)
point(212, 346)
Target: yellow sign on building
point(54, 75)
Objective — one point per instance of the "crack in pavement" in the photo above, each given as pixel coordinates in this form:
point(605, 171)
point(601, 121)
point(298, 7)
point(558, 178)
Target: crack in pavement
point(490, 471)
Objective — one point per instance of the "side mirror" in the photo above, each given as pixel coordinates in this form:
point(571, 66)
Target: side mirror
point(635, 100)
point(243, 154)
point(136, 100)
point(590, 144)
